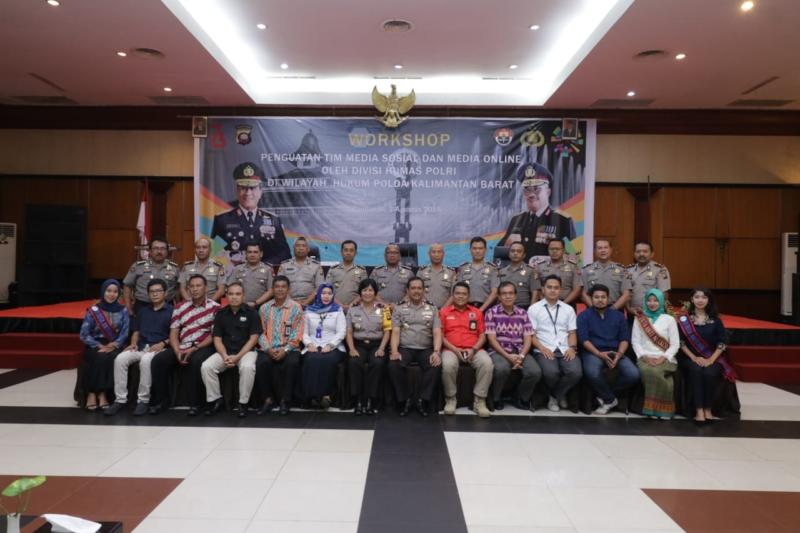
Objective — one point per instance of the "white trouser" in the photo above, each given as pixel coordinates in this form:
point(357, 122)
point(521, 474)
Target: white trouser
point(247, 376)
point(121, 364)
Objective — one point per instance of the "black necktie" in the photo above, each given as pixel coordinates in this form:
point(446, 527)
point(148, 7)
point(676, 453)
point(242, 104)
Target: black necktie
point(250, 218)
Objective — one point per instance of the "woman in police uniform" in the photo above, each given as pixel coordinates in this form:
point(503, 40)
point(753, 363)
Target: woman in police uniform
point(369, 327)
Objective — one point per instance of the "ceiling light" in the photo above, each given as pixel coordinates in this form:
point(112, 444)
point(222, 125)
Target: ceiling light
point(680, 56)
point(513, 67)
point(398, 67)
point(284, 66)
point(122, 54)
point(631, 93)
point(261, 26)
point(167, 89)
point(54, 3)
point(747, 6)
point(534, 27)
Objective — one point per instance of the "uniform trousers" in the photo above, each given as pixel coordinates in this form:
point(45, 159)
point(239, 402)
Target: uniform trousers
point(121, 364)
point(531, 374)
point(162, 366)
point(703, 381)
point(594, 372)
point(559, 374)
point(319, 373)
point(97, 370)
point(482, 364)
point(266, 366)
point(366, 371)
point(211, 368)
point(399, 375)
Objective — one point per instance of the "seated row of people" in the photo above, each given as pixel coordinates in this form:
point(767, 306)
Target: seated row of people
point(548, 341)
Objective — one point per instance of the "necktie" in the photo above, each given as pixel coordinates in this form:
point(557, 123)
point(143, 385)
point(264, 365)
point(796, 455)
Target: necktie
point(250, 217)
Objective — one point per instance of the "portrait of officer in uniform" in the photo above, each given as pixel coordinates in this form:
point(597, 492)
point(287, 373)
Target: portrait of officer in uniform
point(246, 222)
point(540, 223)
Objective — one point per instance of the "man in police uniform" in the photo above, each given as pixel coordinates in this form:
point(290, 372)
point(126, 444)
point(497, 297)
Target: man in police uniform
point(480, 276)
point(156, 266)
point(540, 223)
point(606, 272)
point(346, 276)
point(255, 277)
point(646, 274)
point(304, 273)
point(565, 268)
point(246, 222)
point(416, 337)
point(521, 275)
point(212, 270)
point(392, 278)
point(438, 278)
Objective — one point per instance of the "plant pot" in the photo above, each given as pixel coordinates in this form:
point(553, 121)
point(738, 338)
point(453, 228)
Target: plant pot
point(12, 523)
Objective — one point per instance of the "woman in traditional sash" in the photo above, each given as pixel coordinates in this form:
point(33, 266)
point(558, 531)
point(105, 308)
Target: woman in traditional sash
point(324, 332)
point(104, 331)
point(703, 340)
point(656, 341)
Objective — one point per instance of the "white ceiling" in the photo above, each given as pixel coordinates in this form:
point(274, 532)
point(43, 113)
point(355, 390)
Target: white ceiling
point(340, 46)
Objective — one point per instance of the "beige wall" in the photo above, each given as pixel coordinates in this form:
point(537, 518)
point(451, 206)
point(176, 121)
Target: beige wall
point(620, 158)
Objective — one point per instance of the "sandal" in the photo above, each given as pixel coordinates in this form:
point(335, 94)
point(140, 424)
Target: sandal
point(91, 406)
point(104, 406)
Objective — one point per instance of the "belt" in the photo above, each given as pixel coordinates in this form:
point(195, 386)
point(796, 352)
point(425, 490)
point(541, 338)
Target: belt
point(367, 342)
point(476, 304)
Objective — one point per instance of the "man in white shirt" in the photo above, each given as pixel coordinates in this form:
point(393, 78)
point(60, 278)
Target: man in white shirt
point(556, 342)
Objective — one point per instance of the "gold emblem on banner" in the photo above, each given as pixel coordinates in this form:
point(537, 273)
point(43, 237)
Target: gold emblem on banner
point(392, 106)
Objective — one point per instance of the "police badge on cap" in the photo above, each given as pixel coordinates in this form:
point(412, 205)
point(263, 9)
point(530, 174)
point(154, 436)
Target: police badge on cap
point(248, 174)
point(534, 175)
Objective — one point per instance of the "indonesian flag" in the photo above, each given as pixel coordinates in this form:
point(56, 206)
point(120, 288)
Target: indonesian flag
point(143, 223)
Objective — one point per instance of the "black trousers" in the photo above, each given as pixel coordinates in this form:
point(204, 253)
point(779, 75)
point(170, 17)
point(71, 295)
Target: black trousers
point(703, 381)
point(366, 371)
point(399, 376)
point(319, 373)
point(265, 366)
point(97, 372)
point(162, 366)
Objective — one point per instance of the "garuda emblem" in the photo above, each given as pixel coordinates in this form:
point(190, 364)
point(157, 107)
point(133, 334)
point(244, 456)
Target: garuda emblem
point(392, 106)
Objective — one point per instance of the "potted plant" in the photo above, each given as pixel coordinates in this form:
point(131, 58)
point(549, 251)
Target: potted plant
point(21, 489)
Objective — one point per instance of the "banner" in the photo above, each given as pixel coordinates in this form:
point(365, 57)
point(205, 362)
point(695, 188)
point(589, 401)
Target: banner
point(431, 180)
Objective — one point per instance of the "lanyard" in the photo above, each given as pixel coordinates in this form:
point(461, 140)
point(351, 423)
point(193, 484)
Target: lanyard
point(319, 326)
point(553, 320)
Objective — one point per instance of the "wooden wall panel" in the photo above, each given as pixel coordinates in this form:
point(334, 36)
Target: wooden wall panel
point(790, 210)
point(113, 204)
point(689, 212)
point(754, 264)
point(111, 252)
point(613, 220)
point(691, 261)
point(754, 212)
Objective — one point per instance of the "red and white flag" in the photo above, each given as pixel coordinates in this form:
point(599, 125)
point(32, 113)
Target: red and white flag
point(143, 224)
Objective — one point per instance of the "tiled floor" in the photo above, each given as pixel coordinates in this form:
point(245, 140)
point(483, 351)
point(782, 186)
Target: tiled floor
point(332, 472)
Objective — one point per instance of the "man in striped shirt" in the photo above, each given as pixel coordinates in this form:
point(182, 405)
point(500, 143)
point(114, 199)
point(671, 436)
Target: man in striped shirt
point(279, 345)
point(190, 343)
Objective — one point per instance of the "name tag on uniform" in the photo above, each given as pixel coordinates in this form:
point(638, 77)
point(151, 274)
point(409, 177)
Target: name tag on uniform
point(242, 319)
point(473, 325)
point(287, 330)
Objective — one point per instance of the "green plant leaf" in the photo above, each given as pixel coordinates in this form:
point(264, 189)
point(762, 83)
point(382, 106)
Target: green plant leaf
point(23, 485)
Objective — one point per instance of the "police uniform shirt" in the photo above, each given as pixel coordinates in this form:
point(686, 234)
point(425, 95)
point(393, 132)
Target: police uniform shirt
point(536, 231)
point(255, 280)
point(345, 281)
point(567, 270)
point(391, 282)
point(213, 271)
point(304, 279)
point(416, 324)
point(652, 276)
point(438, 284)
point(366, 325)
point(481, 280)
point(238, 227)
point(523, 279)
point(612, 275)
point(141, 272)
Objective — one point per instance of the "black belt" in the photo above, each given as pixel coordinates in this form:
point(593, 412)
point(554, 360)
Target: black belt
point(367, 342)
point(476, 304)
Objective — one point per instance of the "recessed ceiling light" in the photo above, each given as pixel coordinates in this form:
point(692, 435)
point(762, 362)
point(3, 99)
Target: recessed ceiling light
point(167, 89)
point(631, 93)
point(680, 56)
point(513, 67)
point(747, 6)
point(261, 26)
point(122, 54)
point(54, 3)
point(534, 27)
point(398, 67)
point(284, 66)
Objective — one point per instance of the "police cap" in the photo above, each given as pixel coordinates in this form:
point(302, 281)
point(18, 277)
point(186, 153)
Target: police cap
point(248, 174)
point(534, 174)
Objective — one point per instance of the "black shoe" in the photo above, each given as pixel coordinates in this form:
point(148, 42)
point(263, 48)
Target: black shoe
point(193, 411)
point(522, 404)
point(155, 409)
point(422, 407)
point(284, 410)
point(267, 408)
point(113, 409)
point(141, 409)
point(499, 405)
point(359, 410)
point(368, 410)
point(242, 410)
point(215, 407)
point(405, 407)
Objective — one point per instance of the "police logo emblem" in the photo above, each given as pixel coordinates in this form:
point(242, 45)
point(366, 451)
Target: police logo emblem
point(445, 276)
point(243, 138)
point(242, 319)
point(235, 245)
point(503, 136)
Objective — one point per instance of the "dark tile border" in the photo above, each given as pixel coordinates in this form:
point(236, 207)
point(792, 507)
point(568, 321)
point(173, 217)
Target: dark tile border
point(15, 377)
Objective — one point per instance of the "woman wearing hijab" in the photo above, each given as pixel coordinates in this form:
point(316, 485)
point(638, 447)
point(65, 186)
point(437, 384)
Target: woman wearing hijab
point(104, 331)
point(323, 335)
point(656, 341)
